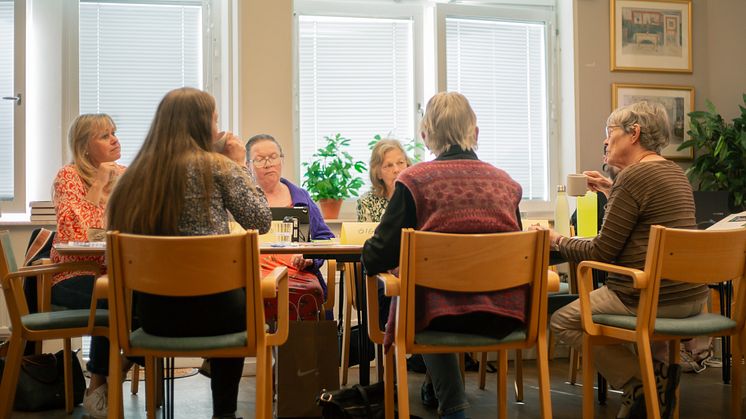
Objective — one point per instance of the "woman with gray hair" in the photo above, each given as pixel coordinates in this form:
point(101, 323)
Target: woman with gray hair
point(387, 160)
point(455, 193)
point(648, 190)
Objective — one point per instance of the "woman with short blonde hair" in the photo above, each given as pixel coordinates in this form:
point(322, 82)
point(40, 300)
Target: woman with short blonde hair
point(451, 121)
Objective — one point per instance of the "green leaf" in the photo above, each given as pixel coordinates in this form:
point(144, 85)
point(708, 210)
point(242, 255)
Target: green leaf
point(331, 173)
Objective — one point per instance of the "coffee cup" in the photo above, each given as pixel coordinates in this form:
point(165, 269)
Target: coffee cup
point(577, 184)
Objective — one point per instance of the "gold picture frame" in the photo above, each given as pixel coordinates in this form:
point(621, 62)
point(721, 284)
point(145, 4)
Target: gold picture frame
point(678, 101)
point(649, 35)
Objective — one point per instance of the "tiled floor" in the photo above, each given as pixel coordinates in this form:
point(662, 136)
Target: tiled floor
point(704, 396)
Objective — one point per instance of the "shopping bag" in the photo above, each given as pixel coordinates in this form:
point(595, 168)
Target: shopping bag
point(41, 382)
point(307, 364)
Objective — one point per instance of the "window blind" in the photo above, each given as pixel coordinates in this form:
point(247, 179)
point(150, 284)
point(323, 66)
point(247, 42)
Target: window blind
point(355, 77)
point(500, 66)
point(131, 54)
point(6, 106)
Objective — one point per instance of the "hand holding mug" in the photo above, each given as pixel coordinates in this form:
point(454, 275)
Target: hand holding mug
point(598, 182)
point(232, 148)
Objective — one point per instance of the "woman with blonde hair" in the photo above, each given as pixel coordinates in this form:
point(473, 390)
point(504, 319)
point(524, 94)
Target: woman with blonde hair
point(178, 186)
point(387, 160)
point(81, 192)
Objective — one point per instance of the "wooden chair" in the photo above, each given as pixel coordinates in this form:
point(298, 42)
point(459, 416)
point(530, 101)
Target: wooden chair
point(693, 256)
point(44, 325)
point(179, 266)
point(354, 233)
point(438, 260)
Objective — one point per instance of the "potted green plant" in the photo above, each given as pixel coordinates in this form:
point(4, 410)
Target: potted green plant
point(332, 175)
point(720, 153)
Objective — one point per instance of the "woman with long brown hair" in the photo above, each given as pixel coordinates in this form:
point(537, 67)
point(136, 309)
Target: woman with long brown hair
point(178, 186)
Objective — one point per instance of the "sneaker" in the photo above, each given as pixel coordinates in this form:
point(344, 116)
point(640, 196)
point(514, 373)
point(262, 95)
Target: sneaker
point(667, 381)
point(96, 402)
point(689, 364)
point(427, 393)
point(632, 398)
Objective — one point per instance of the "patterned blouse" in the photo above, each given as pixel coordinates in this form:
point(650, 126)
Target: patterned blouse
point(75, 215)
point(370, 207)
point(232, 191)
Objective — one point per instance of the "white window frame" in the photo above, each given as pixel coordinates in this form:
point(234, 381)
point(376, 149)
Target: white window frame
point(365, 9)
point(18, 203)
point(539, 11)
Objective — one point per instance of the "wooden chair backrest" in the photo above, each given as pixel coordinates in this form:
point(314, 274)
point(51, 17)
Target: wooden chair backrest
point(7, 258)
point(184, 266)
point(696, 256)
point(474, 263)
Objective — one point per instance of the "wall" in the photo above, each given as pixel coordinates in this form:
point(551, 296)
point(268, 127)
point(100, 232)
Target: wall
point(718, 74)
point(265, 31)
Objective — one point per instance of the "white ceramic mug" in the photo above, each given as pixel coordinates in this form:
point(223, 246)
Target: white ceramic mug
point(577, 184)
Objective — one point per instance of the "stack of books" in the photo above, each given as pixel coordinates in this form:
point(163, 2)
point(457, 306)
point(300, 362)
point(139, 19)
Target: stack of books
point(43, 211)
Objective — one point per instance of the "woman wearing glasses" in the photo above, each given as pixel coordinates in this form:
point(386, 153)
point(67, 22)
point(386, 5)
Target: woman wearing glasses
point(387, 160)
point(265, 159)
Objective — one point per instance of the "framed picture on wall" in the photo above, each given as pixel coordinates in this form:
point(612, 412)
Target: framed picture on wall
point(678, 101)
point(651, 35)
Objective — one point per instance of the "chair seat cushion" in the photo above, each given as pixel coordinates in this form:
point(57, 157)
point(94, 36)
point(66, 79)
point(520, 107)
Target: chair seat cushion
point(63, 319)
point(437, 338)
point(701, 324)
point(140, 339)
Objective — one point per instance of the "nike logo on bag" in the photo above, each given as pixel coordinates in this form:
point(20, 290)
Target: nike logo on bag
point(304, 373)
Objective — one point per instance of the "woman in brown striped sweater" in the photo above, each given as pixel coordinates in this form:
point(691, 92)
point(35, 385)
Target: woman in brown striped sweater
point(649, 190)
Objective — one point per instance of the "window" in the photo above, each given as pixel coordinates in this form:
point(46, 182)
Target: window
point(6, 106)
point(500, 65)
point(355, 77)
point(131, 54)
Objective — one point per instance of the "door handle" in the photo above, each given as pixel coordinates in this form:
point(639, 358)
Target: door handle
point(17, 98)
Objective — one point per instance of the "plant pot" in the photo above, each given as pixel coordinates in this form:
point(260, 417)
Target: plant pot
point(330, 207)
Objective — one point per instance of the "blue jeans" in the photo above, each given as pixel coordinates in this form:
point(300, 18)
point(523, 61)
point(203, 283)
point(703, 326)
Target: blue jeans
point(449, 389)
point(75, 293)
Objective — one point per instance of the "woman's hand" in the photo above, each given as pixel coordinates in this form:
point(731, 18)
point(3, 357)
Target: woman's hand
point(554, 237)
point(598, 182)
point(299, 263)
point(234, 149)
point(106, 172)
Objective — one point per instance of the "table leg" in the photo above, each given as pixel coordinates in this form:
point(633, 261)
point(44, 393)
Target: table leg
point(726, 297)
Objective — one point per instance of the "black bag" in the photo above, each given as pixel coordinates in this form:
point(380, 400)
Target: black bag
point(355, 402)
point(41, 382)
point(355, 346)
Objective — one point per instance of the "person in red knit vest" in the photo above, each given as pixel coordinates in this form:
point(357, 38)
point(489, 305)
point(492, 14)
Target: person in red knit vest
point(455, 193)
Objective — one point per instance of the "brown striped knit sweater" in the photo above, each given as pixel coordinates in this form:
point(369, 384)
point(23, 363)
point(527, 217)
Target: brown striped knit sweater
point(643, 195)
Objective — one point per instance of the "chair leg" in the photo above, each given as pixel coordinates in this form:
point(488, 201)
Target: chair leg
point(518, 375)
point(151, 382)
point(674, 357)
point(388, 384)
point(379, 362)
point(10, 375)
point(68, 375)
point(542, 360)
point(114, 382)
point(574, 364)
point(502, 382)
point(482, 370)
point(135, 383)
point(648, 377)
point(462, 366)
point(587, 371)
point(401, 376)
point(736, 376)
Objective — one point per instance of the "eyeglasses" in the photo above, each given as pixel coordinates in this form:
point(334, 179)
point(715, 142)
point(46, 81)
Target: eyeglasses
point(390, 166)
point(268, 161)
point(609, 129)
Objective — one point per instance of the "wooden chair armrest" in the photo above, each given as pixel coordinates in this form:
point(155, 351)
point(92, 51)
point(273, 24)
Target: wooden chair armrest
point(585, 286)
point(100, 292)
point(276, 284)
point(553, 281)
point(271, 282)
point(391, 284)
point(374, 329)
point(331, 284)
point(27, 271)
